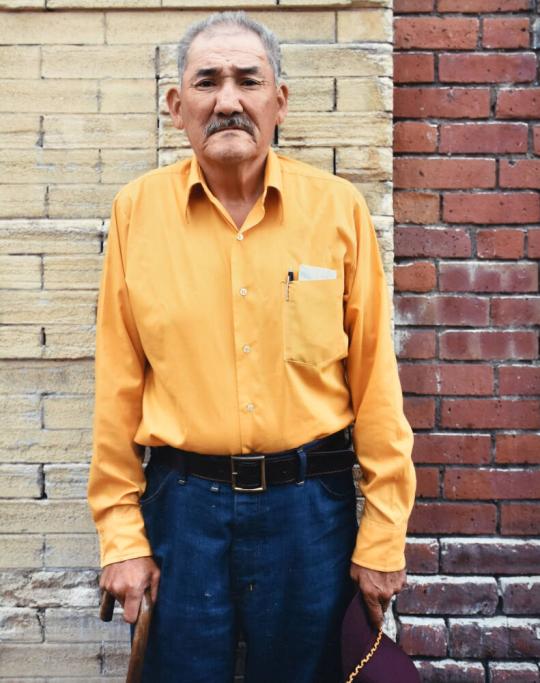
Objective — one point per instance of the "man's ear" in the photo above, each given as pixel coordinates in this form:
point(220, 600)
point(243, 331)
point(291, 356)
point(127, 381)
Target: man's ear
point(283, 106)
point(174, 101)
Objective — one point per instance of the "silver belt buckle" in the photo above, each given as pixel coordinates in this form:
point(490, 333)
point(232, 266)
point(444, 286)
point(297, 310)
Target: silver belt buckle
point(262, 473)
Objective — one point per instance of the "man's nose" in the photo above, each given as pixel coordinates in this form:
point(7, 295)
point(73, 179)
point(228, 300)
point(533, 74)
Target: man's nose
point(228, 99)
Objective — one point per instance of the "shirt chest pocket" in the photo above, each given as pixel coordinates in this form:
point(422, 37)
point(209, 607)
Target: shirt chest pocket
point(313, 322)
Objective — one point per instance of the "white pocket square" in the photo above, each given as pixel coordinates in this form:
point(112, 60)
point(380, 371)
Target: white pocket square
point(306, 272)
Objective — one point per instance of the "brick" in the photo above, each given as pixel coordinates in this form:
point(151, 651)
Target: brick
point(65, 481)
point(519, 173)
point(506, 32)
point(483, 413)
point(316, 94)
point(45, 516)
point(427, 482)
point(415, 344)
point(50, 237)
point(67, 412)
point(415, 136)
point(494, 637)
point(433, 173)
point(46, 377)
point(533, 238)
point(121, 166)
point(513, 672)
point(35, 307)
point(47, 659)
point(45, 445)
point(106, 4)
point(364, 164)
point(49, 166)
point(455, 33)
point(83, 132)
point(422, 555)
point(450, 671)
point(432, 242)
point(363, 94)
point(515, 310)
point(71, 550)
point(488, 277)
point(415, 277)
point(129, 96)
point(115, 656)
point(416, 207)
point(20, 481)
point(378, 195)
point(19, 62)
point(20, 341)
point(26, 201)
point(87, 201)
point(53, 95)
point(68, 341)
point(452, 449)
point(364, 25)
point(453, 518)
point(103, 61)
point(520, 594)
point(484, 137)
point(446, 379)
point(482, 5)
point(21, 551)
point(418, 636)
point(519, 380)
point(20, 412)
point(20, 624)
point(22, 4)
point(334, 60)
point(420, 412)
point(20, 272)
point(72, 272)
point(19, 131)
point(327, 129)
point(62, 625)
point(448, 595)
point(491, 207)
point(520, 519)
point(157, 28)
point(404, 6)
point(501, 243)
point(517, 448)
point(441, 310)
point(35, 28)
point(448, 103)
point(487, 68)
point(462, 483)
point(519, 103)
point(489, 555)
point(414, 67)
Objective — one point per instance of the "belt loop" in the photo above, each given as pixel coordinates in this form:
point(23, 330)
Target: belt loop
point(182, 468)
point(302, 466)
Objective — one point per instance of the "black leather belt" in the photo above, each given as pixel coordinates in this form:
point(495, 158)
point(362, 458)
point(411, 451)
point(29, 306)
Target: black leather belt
point(253, 472)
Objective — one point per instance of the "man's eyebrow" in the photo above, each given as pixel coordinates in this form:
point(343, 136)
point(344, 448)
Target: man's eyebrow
point(215, 71)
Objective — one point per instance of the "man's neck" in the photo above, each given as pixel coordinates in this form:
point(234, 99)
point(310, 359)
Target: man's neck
point(237, 187)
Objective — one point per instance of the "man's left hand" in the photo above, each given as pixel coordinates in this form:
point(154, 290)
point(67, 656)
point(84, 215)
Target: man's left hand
point(377, 589)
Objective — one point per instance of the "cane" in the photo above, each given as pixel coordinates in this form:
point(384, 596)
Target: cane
point(140, 637)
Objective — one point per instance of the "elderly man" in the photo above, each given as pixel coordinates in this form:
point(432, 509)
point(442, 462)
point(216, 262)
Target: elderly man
point(243, 335)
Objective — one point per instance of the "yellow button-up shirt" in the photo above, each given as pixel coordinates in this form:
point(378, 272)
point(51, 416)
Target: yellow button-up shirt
point(202, 345)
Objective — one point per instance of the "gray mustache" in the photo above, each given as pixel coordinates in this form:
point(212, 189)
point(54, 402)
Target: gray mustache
point(235, 121)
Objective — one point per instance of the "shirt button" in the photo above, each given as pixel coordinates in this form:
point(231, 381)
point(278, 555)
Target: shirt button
point(250, 407)
point(239, 236)
point(243, 291)
point(246, 348)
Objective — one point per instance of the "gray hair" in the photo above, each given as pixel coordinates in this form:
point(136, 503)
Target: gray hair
point(239, 19)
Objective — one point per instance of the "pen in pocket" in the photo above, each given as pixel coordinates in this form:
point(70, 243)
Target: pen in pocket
point(290, 278)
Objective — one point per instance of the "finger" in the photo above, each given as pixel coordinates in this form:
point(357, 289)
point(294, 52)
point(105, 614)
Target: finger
point(375, 612)
point(154, 588)
point(131, 607)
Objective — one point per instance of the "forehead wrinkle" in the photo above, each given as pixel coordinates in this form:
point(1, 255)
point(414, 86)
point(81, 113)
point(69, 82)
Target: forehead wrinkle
point(218, 70)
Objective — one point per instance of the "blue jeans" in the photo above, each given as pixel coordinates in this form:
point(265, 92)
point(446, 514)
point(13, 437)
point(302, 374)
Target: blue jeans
point(272, 565)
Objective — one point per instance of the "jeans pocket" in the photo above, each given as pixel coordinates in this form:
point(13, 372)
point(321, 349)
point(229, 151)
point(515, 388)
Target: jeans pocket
point(337, 485)
point(156, 478)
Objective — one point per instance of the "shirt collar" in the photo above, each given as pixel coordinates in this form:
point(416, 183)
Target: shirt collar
point(272, 178)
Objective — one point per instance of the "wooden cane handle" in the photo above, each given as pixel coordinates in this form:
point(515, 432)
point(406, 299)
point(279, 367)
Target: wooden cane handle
point(106, 608)
point(140, 639)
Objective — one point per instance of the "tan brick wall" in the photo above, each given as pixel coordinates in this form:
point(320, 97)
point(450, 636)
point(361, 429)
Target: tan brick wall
point(81, 113)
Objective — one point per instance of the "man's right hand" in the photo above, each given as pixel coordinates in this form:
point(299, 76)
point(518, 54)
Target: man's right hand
point(128, 580)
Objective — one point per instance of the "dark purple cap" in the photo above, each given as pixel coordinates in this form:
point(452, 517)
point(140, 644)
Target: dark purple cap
point(358, 637)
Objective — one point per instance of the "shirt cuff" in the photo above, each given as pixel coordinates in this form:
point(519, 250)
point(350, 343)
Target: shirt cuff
point(122, 535)
point(380, 546)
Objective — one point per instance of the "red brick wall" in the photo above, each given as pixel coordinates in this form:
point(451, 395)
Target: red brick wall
point(467, 236)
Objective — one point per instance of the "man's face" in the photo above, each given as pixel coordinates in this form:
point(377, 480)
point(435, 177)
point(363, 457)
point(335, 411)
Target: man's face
point(228, 102)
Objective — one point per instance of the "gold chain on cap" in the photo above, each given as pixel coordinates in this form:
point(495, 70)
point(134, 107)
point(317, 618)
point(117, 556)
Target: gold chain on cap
point(366, 659)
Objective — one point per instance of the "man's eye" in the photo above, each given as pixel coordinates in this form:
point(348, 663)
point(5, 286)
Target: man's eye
point(204, 84)
point(250, 82)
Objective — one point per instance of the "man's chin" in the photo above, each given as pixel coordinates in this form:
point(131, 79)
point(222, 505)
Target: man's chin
point(229, 152)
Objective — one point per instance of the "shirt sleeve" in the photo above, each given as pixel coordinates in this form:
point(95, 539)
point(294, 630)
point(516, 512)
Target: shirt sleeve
point(116, 475)
point(382, 436)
